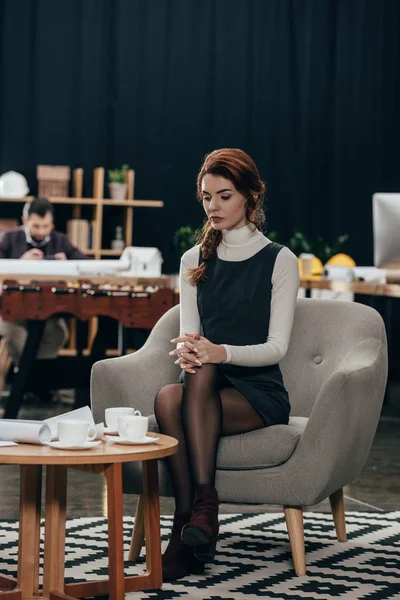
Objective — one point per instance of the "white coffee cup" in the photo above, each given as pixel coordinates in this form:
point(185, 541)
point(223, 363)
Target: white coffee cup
point(75, 433)
point(112, 414)
point(306, 263)
point(133, 427)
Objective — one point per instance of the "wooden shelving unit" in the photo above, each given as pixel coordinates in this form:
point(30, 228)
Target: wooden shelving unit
point(98, 202)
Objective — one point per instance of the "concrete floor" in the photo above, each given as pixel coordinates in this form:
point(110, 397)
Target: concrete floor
point(376, 489)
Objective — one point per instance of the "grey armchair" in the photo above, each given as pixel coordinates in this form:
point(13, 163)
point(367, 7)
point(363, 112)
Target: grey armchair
point(335, 371)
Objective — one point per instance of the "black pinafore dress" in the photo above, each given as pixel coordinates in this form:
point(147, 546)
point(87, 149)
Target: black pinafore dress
point(234, 303)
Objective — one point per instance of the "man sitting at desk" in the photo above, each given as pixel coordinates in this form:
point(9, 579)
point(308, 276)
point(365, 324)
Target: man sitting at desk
point(36, 240)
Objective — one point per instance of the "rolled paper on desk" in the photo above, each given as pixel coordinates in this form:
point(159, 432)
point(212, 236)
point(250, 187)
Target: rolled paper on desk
point(63, 267)
point(338, 273)
point(39, 432)
point(348, 274)
point(24, 431)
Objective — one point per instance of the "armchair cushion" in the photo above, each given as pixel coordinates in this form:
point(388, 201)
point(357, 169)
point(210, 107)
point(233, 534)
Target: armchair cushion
point(259, 449)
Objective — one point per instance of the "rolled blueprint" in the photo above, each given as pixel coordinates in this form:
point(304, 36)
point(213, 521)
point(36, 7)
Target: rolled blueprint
point(23, 431)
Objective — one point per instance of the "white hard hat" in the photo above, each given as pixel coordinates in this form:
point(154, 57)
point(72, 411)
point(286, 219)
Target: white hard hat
point(13, 185)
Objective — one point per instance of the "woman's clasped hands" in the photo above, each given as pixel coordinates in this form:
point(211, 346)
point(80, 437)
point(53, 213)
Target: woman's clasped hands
point(196, 350)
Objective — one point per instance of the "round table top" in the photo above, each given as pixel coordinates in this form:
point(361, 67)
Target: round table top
point(105, 453)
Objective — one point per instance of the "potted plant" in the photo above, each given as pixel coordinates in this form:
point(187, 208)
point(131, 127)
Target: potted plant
point(184, 239)
point(319, 247)
point(323, 251)
point(117, 182)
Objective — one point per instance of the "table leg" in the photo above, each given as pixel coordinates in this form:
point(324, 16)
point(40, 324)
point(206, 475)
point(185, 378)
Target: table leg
point(152, 523)
point(121, 336)
point(35, 334)
point(100, 342)
point(97, 352)
point(54, 541)
point(29, 529)
point(115, 511)
point(117, 585)
point(137, 541)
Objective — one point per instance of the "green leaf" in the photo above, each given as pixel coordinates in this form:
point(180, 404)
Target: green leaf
point(118, 175)
point(184, 238)
point(321, 248)
point(272, 235)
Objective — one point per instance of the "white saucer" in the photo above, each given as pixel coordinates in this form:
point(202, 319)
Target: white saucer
point(86, 446)
point(110, 430)
point(117, 439)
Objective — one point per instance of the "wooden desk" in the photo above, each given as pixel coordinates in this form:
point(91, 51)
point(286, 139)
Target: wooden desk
point(390, 290)
point(135, 303)
point(105, 459)
point(162, 281)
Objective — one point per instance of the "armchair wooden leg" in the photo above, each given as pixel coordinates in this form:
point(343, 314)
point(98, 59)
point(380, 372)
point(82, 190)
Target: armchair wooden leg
point(137, 541)
point(294, 524)
point(337, 507)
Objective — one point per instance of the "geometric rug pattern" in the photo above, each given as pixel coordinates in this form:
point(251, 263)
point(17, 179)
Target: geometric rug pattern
point(253, 559)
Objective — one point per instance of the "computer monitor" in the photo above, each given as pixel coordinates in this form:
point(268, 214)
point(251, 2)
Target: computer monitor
point(386, 226)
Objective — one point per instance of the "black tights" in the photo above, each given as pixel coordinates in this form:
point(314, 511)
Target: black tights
point(197, 414)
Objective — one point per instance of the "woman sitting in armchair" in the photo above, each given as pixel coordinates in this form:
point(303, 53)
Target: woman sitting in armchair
point(238, 294)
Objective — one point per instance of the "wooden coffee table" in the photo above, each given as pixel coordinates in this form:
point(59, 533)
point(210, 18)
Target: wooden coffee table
point(105, 459)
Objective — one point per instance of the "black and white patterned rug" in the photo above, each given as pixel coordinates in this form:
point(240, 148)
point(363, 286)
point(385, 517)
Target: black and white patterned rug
point(254, 558)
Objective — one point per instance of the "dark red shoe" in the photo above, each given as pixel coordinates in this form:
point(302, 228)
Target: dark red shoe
point(201, 532)
point(178, 561)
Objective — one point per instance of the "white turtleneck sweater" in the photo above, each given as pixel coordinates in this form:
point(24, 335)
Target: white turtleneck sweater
point(237, 245)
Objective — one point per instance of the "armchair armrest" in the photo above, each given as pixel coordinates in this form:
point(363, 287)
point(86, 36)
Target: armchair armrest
point(339, 434)
point(131, 380)
point(135, 379)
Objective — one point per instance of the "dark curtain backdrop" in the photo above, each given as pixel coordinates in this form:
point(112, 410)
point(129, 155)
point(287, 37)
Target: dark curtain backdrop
point(310, 88)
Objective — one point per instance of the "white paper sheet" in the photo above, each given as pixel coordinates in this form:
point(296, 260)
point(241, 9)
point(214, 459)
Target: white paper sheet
point(80, 414)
